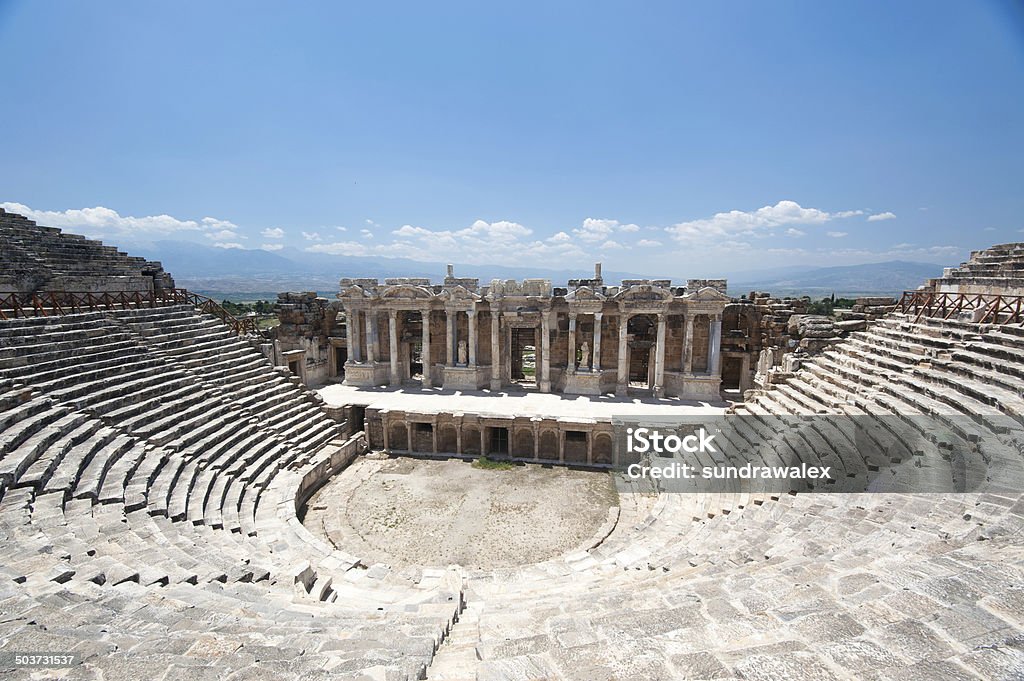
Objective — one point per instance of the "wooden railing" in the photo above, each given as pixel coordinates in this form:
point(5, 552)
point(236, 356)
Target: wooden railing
point(54, 303)
point(984, 308)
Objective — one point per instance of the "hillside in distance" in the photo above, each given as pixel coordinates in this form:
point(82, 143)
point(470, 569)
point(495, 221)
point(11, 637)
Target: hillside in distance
point(241, 274)
point(234, 272)
point(881, 278)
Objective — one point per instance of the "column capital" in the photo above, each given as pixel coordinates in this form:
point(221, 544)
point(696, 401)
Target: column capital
point(598, 315)
point(393, 314)
point(572, 316)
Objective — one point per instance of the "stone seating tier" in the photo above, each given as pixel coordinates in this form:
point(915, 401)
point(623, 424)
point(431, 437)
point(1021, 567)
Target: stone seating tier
point(165, 544)
point(134, 481)
point(37, 258)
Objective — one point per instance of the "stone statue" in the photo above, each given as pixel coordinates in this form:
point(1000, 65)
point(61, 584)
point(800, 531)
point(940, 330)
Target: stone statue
point(584, 355)
point(463, 356)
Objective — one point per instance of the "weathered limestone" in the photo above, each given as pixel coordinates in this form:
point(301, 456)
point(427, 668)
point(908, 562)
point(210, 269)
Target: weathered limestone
point(154, 469)
point(308, 336)
point(36, 258)
point(574, 357)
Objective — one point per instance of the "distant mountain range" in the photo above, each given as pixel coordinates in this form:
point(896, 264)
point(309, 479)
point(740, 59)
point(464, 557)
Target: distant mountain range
point(243, 274)
point(880, 278)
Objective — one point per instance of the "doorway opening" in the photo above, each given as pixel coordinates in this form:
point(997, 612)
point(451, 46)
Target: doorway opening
point(411, 343)
point(642, 332)
point(340, 358)
point(524, 356)
point(498, 443)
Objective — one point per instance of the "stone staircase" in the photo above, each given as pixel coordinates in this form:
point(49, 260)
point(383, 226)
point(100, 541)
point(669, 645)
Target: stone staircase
point(151, 469)
point(801, 586)
point(37, 258)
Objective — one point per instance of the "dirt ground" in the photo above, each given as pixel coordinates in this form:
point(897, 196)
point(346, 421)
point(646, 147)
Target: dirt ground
point(420, 512)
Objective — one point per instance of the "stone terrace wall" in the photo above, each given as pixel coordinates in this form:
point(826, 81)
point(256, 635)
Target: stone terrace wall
point(307, 325)
point(36, 258)
point(999, 269)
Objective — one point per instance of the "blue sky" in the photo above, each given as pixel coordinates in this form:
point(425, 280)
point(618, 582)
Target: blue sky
point(690, 138)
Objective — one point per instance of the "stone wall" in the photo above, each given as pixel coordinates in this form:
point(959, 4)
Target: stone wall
point(307, 323)
point(475, 336)
point(37, 259)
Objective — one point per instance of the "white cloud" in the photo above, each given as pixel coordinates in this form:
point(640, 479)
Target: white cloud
point(793, 231)
point(989, 229)
point(837, 235)
point(273, 233)
point(223, 235)
point(501, 241)
point(271, 247)
point(480, 241)
point(341, 229)
point(611, 245)
point(104, 221)
point(367, 234)
point(221, 244)
point(881, 216)
point(648, 243)
point(593, 229)
point(749, 223)
point(311, 236)
point(214, 223)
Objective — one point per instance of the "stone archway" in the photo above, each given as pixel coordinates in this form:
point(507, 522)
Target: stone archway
point(398, 437)
point(603, 448)
point(549, 445)
point(522, 444)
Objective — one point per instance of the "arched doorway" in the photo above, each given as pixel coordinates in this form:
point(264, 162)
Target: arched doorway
point(642, 332)
point(410, 346)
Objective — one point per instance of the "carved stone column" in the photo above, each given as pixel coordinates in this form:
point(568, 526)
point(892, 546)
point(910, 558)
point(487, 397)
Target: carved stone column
point(408, 436)
point(355, 346)
point(425, 352)
point(545, 353)
point(688, 345)
point(595, 362)
point(472, 338)
point(659, 359)
point(571, 360)
point(371, 337)
point(449, 335)
point(622, 378)
point(495, 350)
point(393, 345)
point(715, 346)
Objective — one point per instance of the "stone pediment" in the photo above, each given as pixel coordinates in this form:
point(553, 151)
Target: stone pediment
point(644, 293)
point(584, 294)
point(459, 293)
point(354, 292)
point(709, 295)
point(406, 291)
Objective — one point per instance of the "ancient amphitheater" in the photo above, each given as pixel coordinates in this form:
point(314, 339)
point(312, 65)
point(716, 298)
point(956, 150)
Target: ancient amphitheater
point(156, 471)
